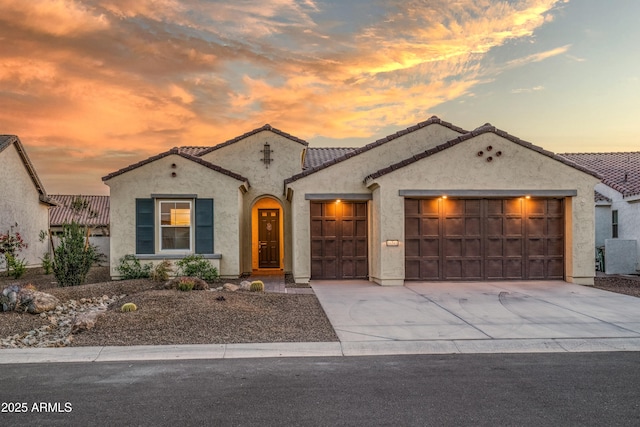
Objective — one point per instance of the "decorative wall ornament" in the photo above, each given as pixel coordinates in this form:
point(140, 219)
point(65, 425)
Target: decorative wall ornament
point(488, 150)
point(266, 154)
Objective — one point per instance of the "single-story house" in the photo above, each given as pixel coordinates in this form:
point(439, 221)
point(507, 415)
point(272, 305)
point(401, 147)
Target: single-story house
point(617, 201)
point(24, 203)
point(91, 211)
point(431, 202)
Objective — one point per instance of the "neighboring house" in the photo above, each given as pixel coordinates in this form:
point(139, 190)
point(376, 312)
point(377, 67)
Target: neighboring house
point(431, 202)
point(617, 201)
point(88, 211)
point(23, 200)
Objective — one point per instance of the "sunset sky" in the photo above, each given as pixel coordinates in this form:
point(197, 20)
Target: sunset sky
point(93, 86)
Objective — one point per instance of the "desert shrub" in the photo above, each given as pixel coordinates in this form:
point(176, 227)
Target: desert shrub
point(130, 268)
point(256, 286)
point(197, 266)
point(74, 255)
point(15, 267)
point(47, 263)
point(185, 284)
point(128, 307)
point(160, 272)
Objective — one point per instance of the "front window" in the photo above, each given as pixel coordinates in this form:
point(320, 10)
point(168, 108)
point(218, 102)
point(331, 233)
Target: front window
point(175, 225)
point(614, 224)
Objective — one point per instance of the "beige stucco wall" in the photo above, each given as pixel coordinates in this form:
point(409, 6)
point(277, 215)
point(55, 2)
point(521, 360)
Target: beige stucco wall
point(191, 178)
point(347, 177)
point(244, 157)
point(20, 203)
point(459, 168)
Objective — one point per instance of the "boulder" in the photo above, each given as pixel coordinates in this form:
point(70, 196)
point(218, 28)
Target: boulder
point(230, 287)
point(245, 285)
point(85, 321)
point(37, 302)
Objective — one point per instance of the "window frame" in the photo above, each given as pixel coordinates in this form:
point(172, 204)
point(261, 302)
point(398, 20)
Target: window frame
point(615, 221)
point(191, 226)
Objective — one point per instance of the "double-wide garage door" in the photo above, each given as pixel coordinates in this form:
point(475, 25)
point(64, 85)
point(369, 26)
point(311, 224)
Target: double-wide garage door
point(484, 239)
point(339, 240)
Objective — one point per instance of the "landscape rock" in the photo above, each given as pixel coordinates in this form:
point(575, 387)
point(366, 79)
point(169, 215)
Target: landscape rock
point(230, 287)
point(245, 285)
point(85, 321)
point(37, 302)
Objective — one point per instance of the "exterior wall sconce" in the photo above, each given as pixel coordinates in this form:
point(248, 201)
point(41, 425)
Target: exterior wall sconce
point(393, 243)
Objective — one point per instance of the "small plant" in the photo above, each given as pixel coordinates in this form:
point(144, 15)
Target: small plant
point(47, 263)
point(256, 286)
point(161, 271)
point(130, 268)
point(128, 307)
point(185, 284)
point(197, 266)
point(15, 267)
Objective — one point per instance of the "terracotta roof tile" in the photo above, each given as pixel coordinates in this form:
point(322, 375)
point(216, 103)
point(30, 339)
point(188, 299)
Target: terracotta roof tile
point(599, 197)
point(248, 134)
point(620, 171)
point(315, 157)
point(178, 152)
point(357, 151)
point(486, 128)
point(85, 210)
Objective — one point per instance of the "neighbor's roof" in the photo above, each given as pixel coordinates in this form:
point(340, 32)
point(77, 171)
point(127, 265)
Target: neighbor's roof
point(315, 157)
point(620, 171)
point(177, 151)
point(599, 197)
point(85, 210)
point(356, 151)
point(6, 141)
point(486, 128)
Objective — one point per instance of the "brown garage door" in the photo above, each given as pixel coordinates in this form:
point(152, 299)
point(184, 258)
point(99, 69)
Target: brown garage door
point(339, 240)
point(484, 239)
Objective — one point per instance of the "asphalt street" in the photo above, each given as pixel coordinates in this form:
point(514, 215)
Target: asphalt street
point(547, 389)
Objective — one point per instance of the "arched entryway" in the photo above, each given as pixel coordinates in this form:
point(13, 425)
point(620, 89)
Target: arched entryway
point(267, 235)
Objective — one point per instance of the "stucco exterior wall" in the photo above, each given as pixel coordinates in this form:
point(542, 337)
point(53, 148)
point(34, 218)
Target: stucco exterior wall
point(628, 219)
point(518, 168)
point(347, 177)
point(191, 178)
point(20, 203)
point(245, 157)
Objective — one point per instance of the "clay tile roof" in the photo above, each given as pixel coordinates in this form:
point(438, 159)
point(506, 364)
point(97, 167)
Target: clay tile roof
point(486, 128)
point(246, 135)
point(357, 151)
point(85, 210)
point(6, 141)
point(620, 171)
point(178, 152)
point(315, 157)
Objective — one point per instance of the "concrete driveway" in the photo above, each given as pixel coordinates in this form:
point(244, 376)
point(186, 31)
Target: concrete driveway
point(456, 317)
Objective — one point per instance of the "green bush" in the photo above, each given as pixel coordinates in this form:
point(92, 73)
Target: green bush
point(15, 267)
point(160, 273)
point(47, 263)
point(197, 266)
point(74, 255)
point(130, 268)
point(185, 284)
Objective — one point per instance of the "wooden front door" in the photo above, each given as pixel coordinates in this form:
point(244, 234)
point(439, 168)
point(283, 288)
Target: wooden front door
point(269, 238)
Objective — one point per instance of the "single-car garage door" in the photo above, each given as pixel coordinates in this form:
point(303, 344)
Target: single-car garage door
point(484, 239)
point(339, 240)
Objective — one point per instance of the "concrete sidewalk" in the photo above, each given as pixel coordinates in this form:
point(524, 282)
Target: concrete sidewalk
point(421, 318)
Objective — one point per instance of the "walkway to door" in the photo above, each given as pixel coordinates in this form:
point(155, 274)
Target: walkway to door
point(479, 315)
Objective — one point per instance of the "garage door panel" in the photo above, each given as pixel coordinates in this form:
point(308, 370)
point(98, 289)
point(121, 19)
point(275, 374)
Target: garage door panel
point(485, 239)
point(339, 240)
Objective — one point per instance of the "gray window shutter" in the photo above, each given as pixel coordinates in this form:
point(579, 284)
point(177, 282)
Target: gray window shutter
point(204, 226)
point(145, 229)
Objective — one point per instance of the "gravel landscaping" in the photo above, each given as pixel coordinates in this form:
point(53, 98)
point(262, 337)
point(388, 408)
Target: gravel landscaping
point(175, 317)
